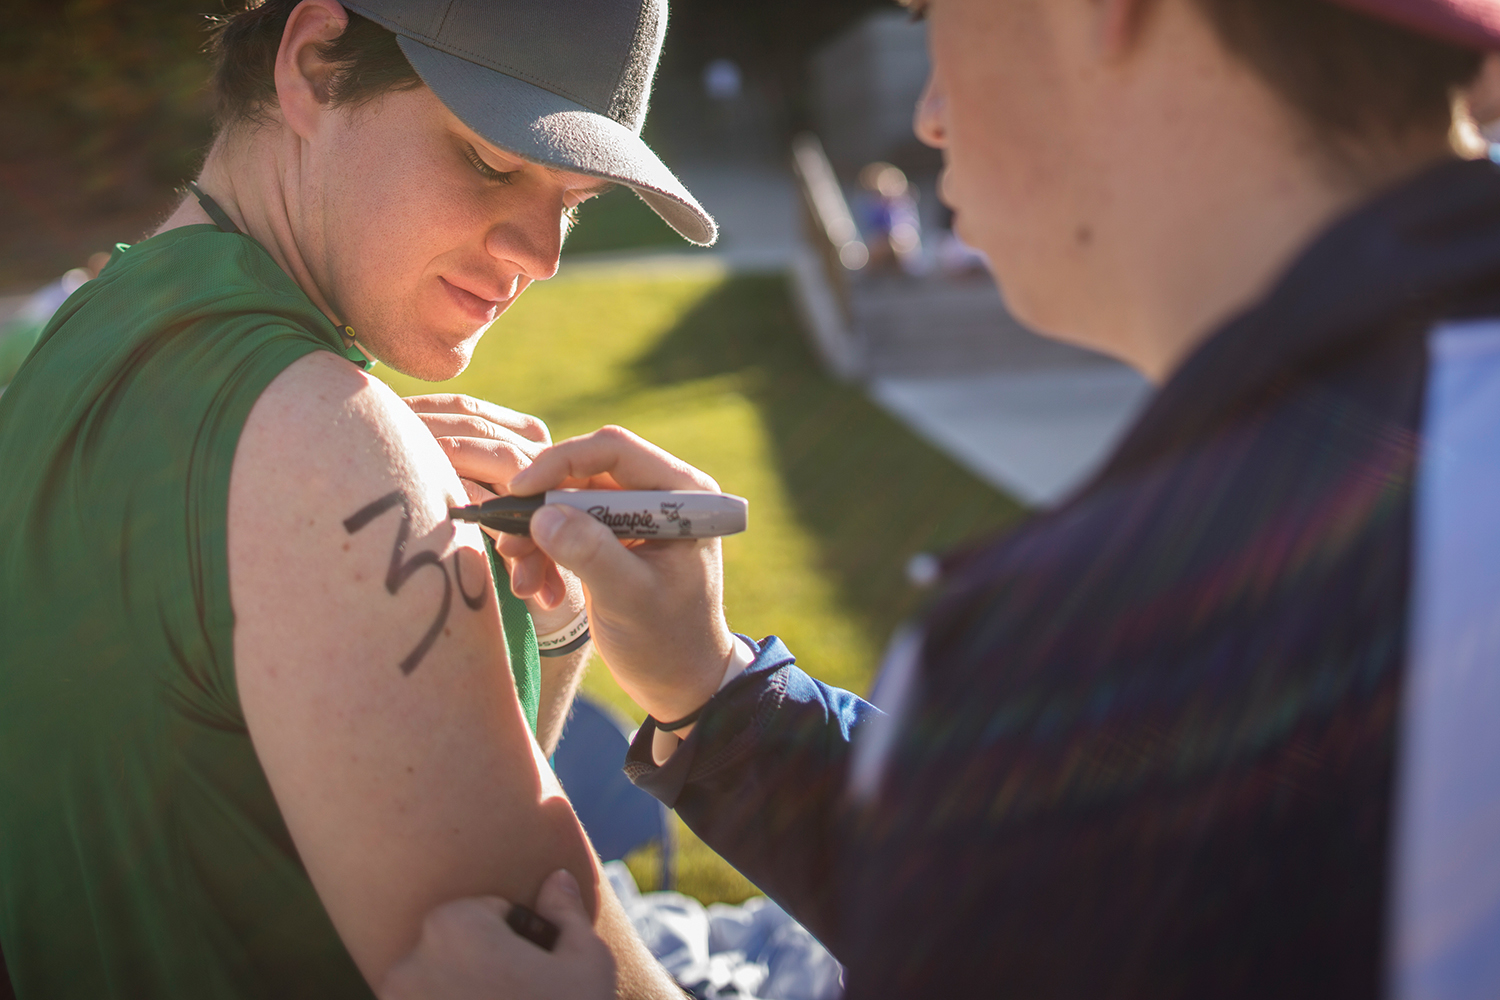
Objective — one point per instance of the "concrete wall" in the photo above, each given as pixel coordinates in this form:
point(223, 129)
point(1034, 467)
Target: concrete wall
point(865, 87)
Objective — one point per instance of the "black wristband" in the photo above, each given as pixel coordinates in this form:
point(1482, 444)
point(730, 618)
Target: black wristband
point(576, 644)
point(682, 723)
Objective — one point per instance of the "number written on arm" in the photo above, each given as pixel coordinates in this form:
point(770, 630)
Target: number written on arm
point(402, 569)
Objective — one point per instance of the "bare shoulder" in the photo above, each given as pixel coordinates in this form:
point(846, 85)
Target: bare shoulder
point(324, 416)
point(370, 663)
point(331, 462)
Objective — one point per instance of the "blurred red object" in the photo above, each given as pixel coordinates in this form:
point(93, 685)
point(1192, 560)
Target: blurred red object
point(1471, 23)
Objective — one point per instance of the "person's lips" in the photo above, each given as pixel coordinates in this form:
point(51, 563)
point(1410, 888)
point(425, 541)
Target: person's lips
point(477, 307)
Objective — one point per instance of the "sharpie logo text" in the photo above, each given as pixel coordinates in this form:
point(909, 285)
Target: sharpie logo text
point(639, 521)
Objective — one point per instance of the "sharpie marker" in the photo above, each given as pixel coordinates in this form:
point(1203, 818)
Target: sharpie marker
point(628, 513)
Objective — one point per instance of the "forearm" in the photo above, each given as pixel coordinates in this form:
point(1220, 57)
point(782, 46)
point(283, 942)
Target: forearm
point(561, 676)
point(638, 976)
point(761, 776)
point(558, 630)
point(467, 951)
point(762, 779)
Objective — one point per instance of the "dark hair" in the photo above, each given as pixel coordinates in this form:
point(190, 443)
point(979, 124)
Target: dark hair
point(1353, 78)
point(244, 45)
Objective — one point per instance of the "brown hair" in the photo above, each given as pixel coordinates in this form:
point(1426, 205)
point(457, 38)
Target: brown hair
point(245, 43)
point(1356, 80)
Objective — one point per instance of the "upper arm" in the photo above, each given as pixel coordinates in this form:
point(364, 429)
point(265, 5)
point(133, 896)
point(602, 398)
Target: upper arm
point(372, 671)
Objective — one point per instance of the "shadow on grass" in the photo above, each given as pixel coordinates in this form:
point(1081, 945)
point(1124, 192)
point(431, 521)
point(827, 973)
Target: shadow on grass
point(871, 492)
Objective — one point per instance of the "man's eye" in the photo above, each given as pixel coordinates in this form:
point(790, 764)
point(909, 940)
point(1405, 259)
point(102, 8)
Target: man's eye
point(485, 170)
point(570, 218)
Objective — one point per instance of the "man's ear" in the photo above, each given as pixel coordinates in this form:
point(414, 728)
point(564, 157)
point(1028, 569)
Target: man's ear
point(1120, 24)
point(303, 76)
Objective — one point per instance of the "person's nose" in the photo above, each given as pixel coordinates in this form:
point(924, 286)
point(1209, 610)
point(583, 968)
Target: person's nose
point(930, 122)
point(531, 240)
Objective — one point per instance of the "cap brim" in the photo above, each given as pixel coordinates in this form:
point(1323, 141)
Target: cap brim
point(547, 128)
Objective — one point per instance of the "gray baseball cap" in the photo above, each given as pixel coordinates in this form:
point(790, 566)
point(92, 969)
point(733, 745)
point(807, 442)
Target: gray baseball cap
point(559, 82)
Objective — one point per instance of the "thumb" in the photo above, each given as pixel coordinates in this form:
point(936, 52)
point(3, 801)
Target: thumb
point(578, 542)
point(561, 902)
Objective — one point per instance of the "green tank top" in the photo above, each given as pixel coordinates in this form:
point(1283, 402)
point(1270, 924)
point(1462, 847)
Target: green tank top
point(141, 851)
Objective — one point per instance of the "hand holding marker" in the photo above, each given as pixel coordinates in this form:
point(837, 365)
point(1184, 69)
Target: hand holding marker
point(628, 513)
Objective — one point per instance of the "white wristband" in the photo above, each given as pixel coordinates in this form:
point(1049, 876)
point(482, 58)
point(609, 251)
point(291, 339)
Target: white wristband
point(568, 633)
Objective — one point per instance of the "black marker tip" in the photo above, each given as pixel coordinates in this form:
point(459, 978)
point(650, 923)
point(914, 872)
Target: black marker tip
point(509, 514)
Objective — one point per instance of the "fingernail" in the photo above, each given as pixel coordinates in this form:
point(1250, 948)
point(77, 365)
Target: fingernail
point(546, 523)
point(566, 882)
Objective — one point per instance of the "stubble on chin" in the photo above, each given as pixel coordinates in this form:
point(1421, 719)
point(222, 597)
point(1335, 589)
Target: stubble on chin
point(430, 367)
point(430, 359)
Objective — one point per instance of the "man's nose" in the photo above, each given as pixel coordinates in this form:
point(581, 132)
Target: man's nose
point(930, 122)
point(530, 241)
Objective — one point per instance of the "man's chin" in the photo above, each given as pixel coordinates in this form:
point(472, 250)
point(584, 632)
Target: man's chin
point(431, 366)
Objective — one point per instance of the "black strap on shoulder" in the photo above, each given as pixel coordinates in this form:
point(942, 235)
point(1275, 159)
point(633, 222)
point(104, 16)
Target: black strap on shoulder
point(216, 213)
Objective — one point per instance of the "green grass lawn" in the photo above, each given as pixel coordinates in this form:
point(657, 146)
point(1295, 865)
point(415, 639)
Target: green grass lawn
point(716, 371)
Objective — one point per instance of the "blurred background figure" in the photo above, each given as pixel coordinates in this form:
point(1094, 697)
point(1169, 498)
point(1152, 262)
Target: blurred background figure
point(19, 333)
point(722, 80)
point(955, 258)
point(887, 213)
point(735, 118)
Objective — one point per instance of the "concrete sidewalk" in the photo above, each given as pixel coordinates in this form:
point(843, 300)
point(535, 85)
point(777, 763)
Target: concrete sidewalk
point(1034, 434)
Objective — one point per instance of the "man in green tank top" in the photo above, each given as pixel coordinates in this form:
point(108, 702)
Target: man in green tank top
point(262, 705)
